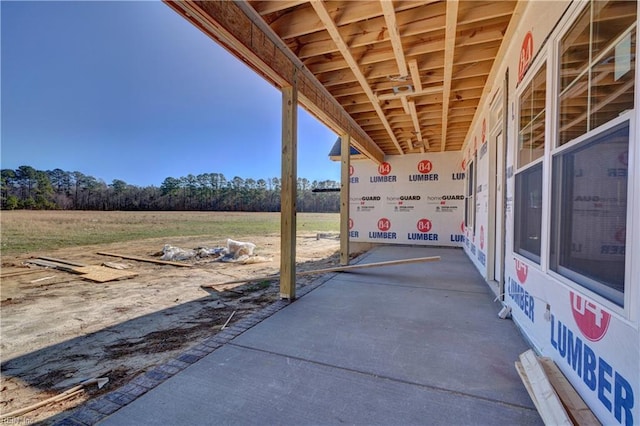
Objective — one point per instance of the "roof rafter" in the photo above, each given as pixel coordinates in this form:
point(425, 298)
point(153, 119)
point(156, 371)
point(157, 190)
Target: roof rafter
point(331, 27)
point(423, 91)
point(394, 34)
point(415, 75)
point(416, 125)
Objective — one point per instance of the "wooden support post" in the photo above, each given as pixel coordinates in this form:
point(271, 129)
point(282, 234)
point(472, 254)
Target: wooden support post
point(345, 168)
point(288, 191)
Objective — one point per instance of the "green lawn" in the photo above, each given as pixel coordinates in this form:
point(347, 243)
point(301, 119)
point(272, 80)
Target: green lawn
point(26, 230)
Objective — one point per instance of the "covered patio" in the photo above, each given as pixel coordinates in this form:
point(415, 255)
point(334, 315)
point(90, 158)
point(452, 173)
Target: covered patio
point(413, 344)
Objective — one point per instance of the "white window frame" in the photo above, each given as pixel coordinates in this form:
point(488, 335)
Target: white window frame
point(630, 311)
point(566, 276)
point(470, 200)
point(541, 59)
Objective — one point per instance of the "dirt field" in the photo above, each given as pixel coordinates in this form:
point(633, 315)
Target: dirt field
point(58, 329)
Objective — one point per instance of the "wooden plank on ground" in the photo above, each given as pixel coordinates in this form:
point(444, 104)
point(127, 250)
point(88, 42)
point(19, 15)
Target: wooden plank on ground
point(542, 393)
point(102, 274)
point(18, 273)
point(66, 262)
point(576, 408)
point(333, 269)
point(526, 383)
point(145, 259)
point(54, 265)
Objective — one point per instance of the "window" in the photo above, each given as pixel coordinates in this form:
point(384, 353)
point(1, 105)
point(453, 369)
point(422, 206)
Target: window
point(589, 170)
point(597, 67)
point(532, 116)
point(470, 199)
point(528, 212)
point(589, 212)
point(528, 181)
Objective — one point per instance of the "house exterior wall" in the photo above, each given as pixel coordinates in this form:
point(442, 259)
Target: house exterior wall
point(594, 340)
point(411, 199)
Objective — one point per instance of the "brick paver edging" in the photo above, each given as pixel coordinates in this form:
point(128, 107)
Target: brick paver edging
point(95, 410)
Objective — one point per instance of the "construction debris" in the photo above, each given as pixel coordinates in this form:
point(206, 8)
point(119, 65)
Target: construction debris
point(234, 252)
point(328, 235)
point(18, 273)
point(54, 265)
point(176, 253)
point(577, 409)
point(115, 265)
point(144, 259)
point(228, 319)
point(540, 390)
point(42, 279)
point(102, 274)
point(76, 390)
point(95, 273)
point(64, 261)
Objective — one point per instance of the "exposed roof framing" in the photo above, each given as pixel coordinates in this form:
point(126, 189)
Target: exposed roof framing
point(327, 20)
point(397, 75)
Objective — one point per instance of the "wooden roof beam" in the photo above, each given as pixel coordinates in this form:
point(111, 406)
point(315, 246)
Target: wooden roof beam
point(415, 75)
point(405, 105)
point(240, 29)
point(450, 44)
point(416, 125)
point(331, 27)
point(424, 91)
point(394, 34)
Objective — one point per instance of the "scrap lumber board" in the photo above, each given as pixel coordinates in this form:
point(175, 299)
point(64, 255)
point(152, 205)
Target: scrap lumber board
point(102, 274)
point(91, 272)
point(525, 382)
point(333, 269)
point(542, 393)
point(66, 262)
point(55, 265)
point(18, 273)
point(576, 408)
point(144, 259)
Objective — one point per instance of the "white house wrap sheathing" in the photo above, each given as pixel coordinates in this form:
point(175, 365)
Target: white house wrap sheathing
point(412, 199)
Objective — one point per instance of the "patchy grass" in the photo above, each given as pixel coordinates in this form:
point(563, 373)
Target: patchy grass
point(26, 230)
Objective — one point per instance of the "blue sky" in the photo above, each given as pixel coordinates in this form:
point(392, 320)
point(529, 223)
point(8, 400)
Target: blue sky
point(132, 91)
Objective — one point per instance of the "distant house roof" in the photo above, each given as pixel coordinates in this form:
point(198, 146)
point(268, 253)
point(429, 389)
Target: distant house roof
point(336, 152)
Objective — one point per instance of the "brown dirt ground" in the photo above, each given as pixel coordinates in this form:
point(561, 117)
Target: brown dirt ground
point(59, 329)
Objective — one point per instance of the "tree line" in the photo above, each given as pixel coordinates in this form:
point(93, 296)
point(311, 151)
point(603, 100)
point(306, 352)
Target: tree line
point(28, 188)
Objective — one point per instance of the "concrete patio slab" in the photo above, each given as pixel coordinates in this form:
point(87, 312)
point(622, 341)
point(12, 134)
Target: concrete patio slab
point(411, 344)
